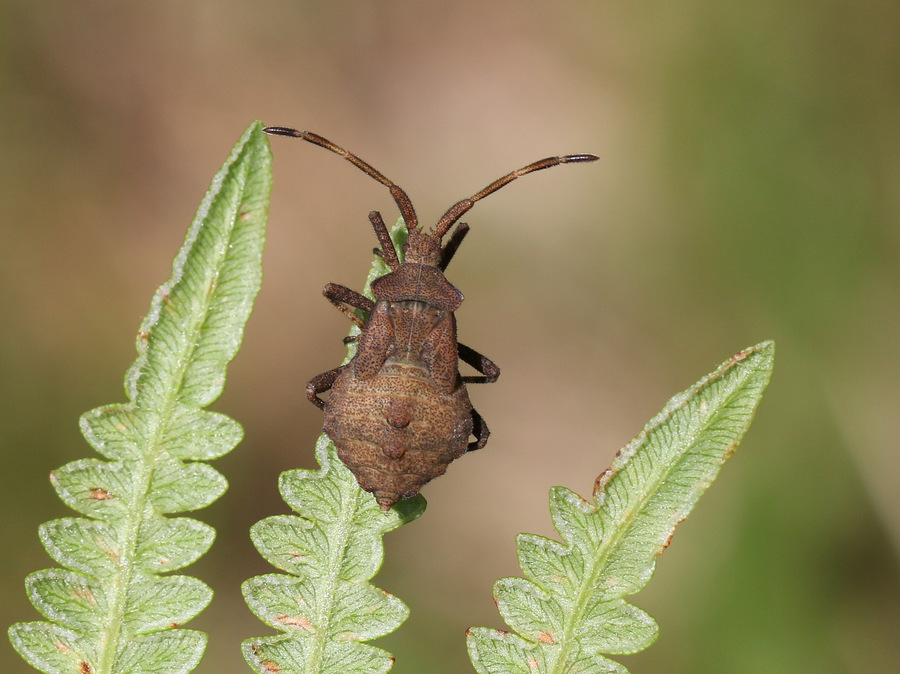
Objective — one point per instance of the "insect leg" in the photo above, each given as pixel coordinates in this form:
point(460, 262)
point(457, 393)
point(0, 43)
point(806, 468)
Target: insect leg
point(483, 364)
point(346, 300)
point(320, 384)
point(387, 251)
point(480, 430)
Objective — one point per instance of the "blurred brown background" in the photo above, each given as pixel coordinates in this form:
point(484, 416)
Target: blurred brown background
point(748, 189)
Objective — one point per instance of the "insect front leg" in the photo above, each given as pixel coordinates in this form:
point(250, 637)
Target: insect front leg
point(346, 300)
point(488, 369)
point(452, 244)
point(320, 384)
point(387, 251)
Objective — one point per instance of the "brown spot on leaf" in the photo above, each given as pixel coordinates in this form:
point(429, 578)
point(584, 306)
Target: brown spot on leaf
point(100, 494)
point(113, 553)
point(85, 668)
point(671, 534)
point(169, 304)
point(732, 447)
point(546, 638)
point(294, 621)
point(602, 480)
point(270, 666)
point(741, 355)
point(86, 594)
point(666, 542)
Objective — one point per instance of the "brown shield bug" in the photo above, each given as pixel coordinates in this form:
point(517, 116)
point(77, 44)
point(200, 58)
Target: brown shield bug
point(399, 412)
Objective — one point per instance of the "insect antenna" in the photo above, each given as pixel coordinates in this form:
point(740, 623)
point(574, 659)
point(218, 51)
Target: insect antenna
point(400, 197)
point(456, 211)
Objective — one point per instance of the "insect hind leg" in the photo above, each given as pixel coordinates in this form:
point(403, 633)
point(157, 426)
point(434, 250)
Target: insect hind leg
point(480, 430)
point(488, 369)
point(320, 384)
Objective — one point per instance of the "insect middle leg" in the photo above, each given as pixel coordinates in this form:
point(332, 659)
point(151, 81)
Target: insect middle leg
point(346, 300)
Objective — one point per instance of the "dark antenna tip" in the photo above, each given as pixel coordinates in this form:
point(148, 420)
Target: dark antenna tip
point(574, 158)
point(283, 131)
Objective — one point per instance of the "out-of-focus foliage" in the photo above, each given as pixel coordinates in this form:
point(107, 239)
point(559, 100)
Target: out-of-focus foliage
point(747, 190)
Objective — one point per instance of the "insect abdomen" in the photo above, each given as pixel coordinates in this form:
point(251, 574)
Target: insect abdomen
point(396, 431)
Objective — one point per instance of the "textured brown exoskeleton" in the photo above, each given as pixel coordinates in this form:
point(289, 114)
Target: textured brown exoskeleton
point(399, 412)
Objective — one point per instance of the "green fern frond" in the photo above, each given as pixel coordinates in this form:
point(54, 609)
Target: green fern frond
point(109, 610)
point(570, 613)
point(326, 607)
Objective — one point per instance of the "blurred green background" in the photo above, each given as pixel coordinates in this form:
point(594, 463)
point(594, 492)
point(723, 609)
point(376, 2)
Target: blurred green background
point(748, 189)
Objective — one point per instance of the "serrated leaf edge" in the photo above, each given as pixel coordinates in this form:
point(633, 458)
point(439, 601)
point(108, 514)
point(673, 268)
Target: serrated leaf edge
point(608, 540)
point(249, 154)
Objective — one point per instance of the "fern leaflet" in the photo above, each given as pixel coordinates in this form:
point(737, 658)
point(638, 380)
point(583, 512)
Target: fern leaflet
point(331, 549)
point(570, 612)
point(108, 610)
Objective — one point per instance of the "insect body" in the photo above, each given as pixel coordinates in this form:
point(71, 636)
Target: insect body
point(399, 412)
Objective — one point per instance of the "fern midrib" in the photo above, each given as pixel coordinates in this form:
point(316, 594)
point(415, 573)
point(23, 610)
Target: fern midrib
point(338, 554)
point(561, 664)
point(350, 496)
point(158, 425)
point(591, 578)
point(128, 552)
